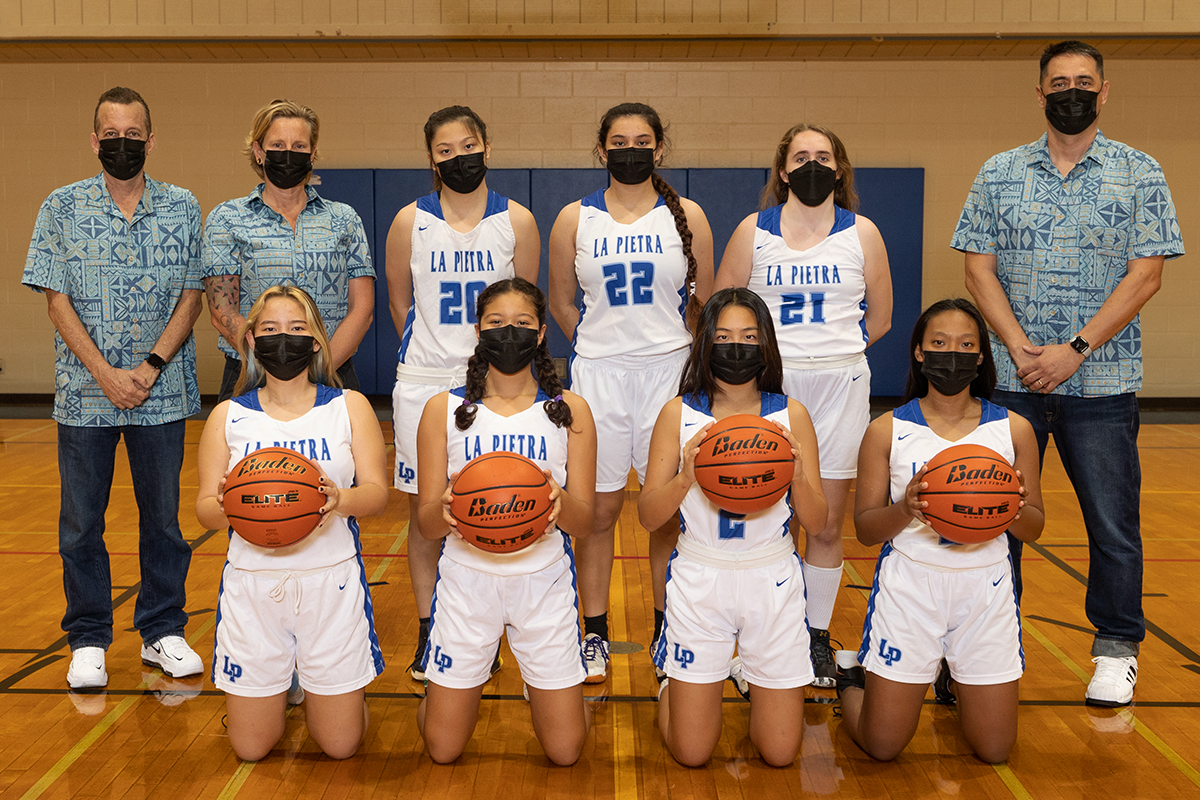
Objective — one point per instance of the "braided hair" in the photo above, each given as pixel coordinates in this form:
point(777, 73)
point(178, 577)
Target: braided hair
point(543, 365)
point(669, 195)
point(775, 193)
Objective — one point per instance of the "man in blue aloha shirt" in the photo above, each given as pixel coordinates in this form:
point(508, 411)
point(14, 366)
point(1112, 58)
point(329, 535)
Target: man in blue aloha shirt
point(118, 258)
point(1065, 240)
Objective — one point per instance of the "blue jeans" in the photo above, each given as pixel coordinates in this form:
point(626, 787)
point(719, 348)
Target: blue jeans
point(86, 458)
point(1096, 439)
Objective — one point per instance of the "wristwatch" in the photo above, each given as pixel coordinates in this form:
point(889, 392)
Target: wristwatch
point(155, 360)
point(1080, 345)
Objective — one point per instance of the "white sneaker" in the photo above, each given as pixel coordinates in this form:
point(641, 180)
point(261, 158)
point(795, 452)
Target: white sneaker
point(595, 658)
point(1112, 684)
point(736, 678)
point(173, 656)
point(295, 693)
point(87, 669)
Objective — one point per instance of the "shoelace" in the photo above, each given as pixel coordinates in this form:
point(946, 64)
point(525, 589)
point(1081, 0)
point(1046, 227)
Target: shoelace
point(822, 652)
point(592, 645)
point(1112, 669)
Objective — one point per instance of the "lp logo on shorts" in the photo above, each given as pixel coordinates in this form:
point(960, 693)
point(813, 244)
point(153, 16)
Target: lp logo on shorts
point(405, 472)
point(443, 661)
point(890, 655)
point(234, 671)
point(684, 656)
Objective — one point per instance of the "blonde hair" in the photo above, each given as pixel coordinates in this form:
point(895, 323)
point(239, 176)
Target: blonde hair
point(266, 116)
point(319, 371)
point(776, 191)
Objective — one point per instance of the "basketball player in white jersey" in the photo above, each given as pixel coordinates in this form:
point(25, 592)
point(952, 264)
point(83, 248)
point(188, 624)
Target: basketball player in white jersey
point(935, 602)
point(304, 608)
point(733, 578)
point(643, 257)
point(823, 272)
point(442, 251)
point(528, 594)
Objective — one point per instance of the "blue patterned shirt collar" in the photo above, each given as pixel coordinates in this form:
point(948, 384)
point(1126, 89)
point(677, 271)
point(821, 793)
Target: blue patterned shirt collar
point(314, 199)
point(1039, 151)
point(99, 196)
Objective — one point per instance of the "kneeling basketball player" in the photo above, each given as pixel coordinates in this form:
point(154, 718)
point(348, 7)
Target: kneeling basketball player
point(733, 579)
point(939, 611)
point(531, 592)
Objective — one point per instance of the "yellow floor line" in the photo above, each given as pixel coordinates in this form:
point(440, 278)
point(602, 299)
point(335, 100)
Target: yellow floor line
point(1006, 775)
point(8, 439)
point(1164, 749)
point(387, 562)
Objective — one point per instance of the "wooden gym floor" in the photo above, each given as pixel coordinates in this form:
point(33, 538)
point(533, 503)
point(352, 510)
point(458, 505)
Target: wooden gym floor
point(151, 736)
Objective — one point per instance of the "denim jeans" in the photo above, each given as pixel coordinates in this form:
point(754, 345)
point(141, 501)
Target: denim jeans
point(233, 368)
point(86, 459)
point(1096, 439)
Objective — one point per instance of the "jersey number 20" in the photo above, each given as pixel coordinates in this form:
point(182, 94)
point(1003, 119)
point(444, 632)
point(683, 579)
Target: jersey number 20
point(454, 302)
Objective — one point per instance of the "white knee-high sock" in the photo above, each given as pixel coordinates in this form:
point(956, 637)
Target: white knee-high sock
point(821, 586)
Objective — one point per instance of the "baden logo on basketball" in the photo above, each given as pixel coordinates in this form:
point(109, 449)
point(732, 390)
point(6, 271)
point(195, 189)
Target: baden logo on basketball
point(501, 502)
point(745, 464)
point(973, 493)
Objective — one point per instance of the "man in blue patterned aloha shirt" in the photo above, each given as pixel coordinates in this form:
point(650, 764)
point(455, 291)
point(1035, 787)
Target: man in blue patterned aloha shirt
point(284, 232)
point(1065, 240)
point(118, 258)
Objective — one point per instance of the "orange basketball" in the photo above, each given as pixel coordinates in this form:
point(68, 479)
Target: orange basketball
point(272, 498)
point(745, 464)
point(973, 493)
point(501, 501)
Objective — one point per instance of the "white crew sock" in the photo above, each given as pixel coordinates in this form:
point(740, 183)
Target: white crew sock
point(821, 586)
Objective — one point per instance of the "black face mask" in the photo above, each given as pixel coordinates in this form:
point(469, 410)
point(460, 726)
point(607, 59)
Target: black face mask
point(463, 174)
point(286, 168)
point(122, 158)
point(812, 182)
point(509, 349)
point(736, 363)
point(630, 165)
point(950, 373)
point(1073, 110)
point(284, 355)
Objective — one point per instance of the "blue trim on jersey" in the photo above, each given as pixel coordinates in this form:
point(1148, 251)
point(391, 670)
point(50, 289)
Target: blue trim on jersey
point(1017, 602)
point(862, 321)
point(594, 200)
point(461, 393)
point(496, 204)
point(326, 395)
point(575, 587)
point(406, 337)
point(865, 647)
point(683, 302)
point(437, 578)
point(368, 608)
point(659, 656)
point(217, 624)
point(772, 402)
point(699, 402)
point(248, 400)
point(768, 220)
point(911, 412)
point(431, 204)
point(991, 412)
point(842, 220)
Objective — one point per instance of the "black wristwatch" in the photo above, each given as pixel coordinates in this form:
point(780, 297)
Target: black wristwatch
point(155, 360)
point(1080, 345)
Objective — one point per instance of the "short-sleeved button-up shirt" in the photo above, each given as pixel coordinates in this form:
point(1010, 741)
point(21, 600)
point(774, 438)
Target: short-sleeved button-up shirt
point(1063, 244)
point(246, 237)
point(124, 280)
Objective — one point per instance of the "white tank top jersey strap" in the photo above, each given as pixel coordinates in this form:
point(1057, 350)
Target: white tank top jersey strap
point(913, 444)
point(702, 522)
point(634, 281)
point(529, 433)
point(322, 435)
point(817, 297)
point(449, 270)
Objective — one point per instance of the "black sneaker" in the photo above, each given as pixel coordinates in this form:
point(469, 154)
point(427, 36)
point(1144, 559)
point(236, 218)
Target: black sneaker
point(941, 686)
point(849, 672)
point(417, 668)
point(822, 659)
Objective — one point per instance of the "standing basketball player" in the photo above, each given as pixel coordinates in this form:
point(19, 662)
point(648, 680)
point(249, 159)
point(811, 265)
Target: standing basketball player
point(733, 579)
point(304, 608)
point(934, 599)
point(442, 251)
point(643, 257)
point(823, 272)
point(530, 593)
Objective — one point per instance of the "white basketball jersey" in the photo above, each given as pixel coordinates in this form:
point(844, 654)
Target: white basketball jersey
point(817, 297)
point(449, 270)
point(914, 443)
point(322, 435)
point(699, 517)
point(529, 433)
point(634, 283)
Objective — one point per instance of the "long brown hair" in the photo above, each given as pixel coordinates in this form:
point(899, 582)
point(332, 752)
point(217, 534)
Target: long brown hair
point(669, 195)
point(775, 193)
point(697, 373)
point(320, 370)
point(437, 119)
